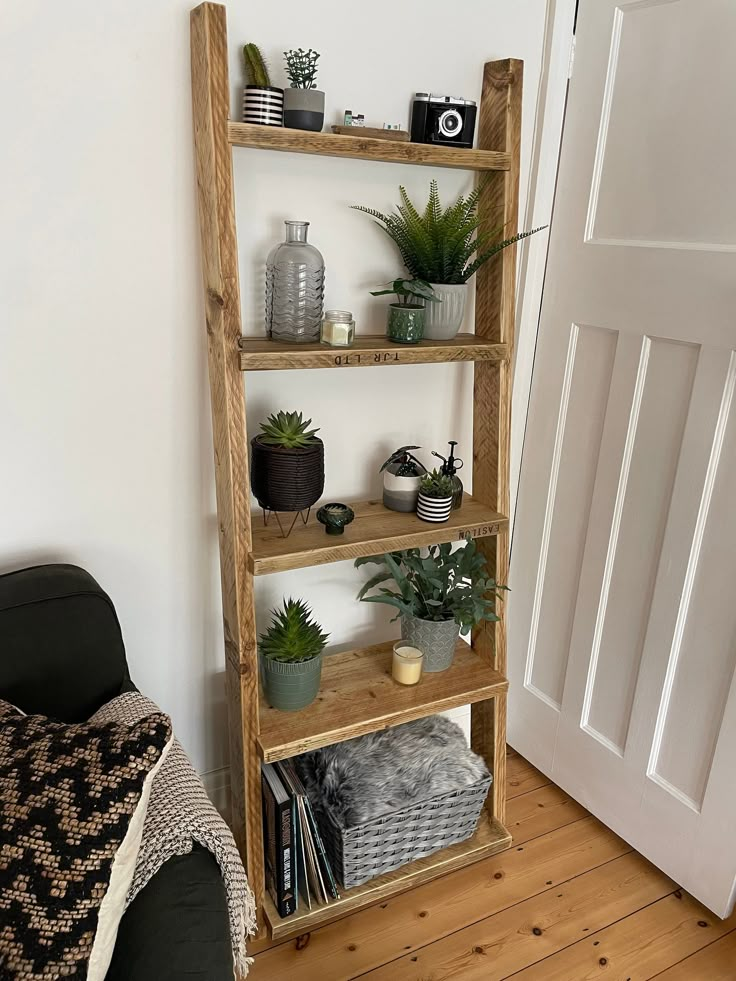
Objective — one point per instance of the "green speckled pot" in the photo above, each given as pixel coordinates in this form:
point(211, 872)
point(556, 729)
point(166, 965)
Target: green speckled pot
point(288, 685)
point(405, 323)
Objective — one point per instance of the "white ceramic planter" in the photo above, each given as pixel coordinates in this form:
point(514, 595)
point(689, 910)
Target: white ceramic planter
point(436, 509)
point(400, 493)
point(442, 320)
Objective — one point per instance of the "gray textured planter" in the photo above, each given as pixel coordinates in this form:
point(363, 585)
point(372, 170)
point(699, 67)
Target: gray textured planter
point(290, 685)
point(304, 109)
point(436, 639)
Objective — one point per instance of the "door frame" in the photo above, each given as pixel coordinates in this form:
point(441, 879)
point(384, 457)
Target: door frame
point(557, 52)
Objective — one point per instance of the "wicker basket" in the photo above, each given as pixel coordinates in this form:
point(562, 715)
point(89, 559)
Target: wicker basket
point(367, 850)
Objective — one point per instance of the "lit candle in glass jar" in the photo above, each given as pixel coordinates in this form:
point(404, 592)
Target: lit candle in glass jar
point(406, 667)
point(338, 328)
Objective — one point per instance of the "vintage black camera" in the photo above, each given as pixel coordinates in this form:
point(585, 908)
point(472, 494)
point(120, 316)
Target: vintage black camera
point(442, 119)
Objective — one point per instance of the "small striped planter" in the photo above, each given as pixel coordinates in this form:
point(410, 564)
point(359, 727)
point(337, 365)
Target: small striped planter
point(290, 685)
point(263, 105)
point(435, 509)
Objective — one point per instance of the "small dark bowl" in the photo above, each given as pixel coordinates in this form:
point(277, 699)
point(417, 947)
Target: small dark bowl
point(334, 517)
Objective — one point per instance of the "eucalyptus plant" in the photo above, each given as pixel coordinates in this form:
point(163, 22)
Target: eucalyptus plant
point(301, 68)
point(293, 635)
point(441, 585)
point(256, 70)
point(407, 290)
point(443, 245)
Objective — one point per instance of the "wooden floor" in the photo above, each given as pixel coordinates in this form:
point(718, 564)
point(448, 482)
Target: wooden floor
point(568, 902)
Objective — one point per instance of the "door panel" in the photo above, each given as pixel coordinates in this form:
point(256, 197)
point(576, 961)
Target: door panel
point(622, 616)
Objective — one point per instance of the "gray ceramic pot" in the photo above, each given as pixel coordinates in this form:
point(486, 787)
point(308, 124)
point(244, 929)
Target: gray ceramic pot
point(436, 639)
point(304, 109)
point(290, 685)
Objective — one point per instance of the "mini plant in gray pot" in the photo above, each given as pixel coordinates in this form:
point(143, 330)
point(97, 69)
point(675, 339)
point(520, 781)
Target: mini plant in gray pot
point(401, 475)
point(405, 323)
point(304, 104)
point(263, 103)
point(435, 497)
point(438, 595)
point(290, 653)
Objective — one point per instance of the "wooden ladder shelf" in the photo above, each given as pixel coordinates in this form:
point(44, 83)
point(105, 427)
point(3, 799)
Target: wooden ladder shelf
point(357, 693)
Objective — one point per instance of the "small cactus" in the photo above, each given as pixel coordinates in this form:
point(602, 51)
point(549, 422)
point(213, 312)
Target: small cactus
point(256, 70)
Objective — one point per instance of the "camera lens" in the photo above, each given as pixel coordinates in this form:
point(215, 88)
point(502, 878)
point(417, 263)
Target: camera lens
point(450, 123)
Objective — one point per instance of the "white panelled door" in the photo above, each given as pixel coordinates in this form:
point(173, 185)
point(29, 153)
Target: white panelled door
point(622, 616)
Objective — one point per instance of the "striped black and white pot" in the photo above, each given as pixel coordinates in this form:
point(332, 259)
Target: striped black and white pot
point(263, 105)
point(435, 509)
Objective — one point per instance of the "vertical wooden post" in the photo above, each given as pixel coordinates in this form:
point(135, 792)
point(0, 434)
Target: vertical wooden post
point(499, 129)
point(211, 98)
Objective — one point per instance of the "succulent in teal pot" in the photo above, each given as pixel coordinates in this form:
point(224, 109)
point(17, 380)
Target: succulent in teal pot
point(334, 517)
point(290, 654)
point(405, 323)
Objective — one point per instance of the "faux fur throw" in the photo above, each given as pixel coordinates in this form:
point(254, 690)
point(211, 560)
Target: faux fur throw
point(180, 814)
point(361, 779)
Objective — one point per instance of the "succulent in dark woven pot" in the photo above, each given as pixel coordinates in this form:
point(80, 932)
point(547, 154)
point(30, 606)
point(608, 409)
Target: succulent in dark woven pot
point(287, 465)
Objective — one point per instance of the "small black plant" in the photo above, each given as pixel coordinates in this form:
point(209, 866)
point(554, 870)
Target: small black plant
point(301, 68)
point(407, 464)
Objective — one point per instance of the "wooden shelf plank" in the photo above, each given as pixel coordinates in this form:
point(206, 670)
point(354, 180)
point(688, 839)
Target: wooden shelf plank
point(376, 529)
point(364, 148)
point(261, 354)
point(358, 695)
point(490, 837)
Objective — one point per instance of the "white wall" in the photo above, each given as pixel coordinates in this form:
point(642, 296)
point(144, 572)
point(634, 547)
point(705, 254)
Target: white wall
point(104, 419)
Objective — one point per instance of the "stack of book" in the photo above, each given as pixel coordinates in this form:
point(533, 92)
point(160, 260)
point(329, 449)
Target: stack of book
point(296, 863)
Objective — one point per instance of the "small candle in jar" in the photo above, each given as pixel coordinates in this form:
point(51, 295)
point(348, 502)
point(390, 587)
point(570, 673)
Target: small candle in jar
point(406, 667)
point(338, 328)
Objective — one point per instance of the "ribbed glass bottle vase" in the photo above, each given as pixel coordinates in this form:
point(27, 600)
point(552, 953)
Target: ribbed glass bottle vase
point(295, 287)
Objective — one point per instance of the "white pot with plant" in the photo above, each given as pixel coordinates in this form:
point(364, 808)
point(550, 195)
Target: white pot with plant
point(290, 653)
point(263, 103)
point(436, 491)
point(304, 104)
point(444, 248)
point(439, 595)
point(401, 475)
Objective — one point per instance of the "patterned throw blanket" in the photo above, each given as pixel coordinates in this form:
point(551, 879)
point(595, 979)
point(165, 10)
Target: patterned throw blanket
point(179, 815)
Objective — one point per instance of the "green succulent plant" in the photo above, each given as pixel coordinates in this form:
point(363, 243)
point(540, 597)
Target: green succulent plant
point(256, 70)
point(288, 429)
point(293, 634)
point(301, 68)
point(436, 484)
point(407, 290)
point(438, 245)
point(441, 585)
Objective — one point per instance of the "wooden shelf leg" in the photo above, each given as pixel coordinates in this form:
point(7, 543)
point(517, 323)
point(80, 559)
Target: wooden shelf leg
point(499, 129)
point(211, 101)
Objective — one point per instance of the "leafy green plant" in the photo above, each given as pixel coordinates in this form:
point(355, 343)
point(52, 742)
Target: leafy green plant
point(436, 484)
point(407, 464)
point(438, 245)
point(256, 70)
point(407, 290)
point(301, 68)
point(441, 585)
point(293, 634)
point(288, 429)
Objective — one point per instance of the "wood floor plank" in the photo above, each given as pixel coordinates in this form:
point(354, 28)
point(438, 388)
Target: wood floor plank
point(714, 963)
point(366, 940)
point(500, 945)
point(638, 947)
point(540, 811)
point(521, 777)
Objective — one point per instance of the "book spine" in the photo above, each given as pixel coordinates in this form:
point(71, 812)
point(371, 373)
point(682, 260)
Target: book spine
point(321, 853)
point(286, 860)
